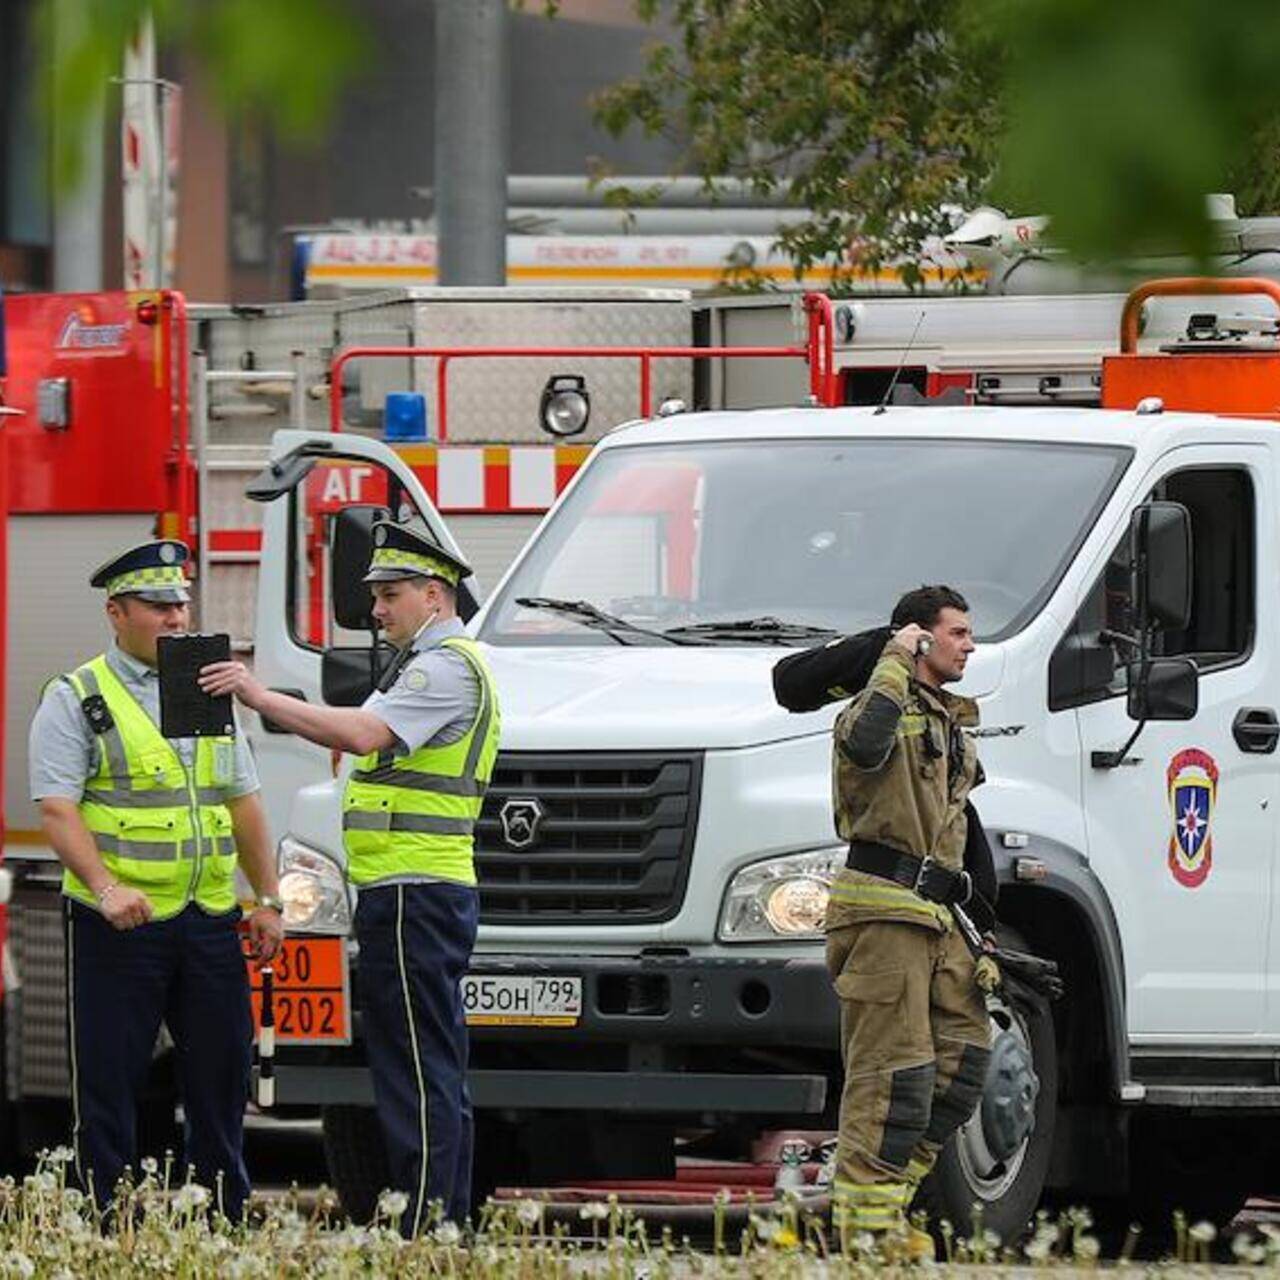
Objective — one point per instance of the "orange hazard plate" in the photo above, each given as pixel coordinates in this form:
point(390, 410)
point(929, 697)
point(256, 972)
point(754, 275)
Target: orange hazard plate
point(312, 997)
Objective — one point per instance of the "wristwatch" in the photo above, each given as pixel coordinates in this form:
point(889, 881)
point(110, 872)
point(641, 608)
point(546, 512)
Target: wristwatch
point(272, 902)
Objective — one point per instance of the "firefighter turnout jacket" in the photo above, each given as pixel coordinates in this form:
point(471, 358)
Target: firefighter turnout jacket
point(902, 770)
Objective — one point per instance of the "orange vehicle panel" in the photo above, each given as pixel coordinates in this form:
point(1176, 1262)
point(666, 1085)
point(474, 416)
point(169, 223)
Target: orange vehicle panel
point(1237, 385)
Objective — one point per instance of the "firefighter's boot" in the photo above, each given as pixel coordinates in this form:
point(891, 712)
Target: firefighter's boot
point(908, 1244)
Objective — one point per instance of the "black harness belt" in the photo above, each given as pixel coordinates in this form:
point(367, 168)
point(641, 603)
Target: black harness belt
point(929, 879)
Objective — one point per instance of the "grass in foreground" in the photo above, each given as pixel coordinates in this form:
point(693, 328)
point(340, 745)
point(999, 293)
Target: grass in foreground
point(48, 1229)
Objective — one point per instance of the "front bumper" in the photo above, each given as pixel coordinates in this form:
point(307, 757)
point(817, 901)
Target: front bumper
point(739, 1008)
point(657, 998)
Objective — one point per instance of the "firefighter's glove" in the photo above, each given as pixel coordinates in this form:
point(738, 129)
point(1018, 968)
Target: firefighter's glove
point(986, 974)
point(940, 884)
point(1034, 972)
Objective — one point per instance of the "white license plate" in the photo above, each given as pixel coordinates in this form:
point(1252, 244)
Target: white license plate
point(521, 1001)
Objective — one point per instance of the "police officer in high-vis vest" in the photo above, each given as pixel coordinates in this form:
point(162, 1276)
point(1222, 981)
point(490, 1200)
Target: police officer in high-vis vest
point(426, 742)
point(150, 832)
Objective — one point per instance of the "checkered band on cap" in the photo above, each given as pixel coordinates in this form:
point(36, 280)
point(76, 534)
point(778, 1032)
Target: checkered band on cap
point(415, 562)
point(155, 579)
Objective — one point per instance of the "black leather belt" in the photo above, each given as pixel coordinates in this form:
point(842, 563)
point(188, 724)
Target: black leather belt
point(926, 877)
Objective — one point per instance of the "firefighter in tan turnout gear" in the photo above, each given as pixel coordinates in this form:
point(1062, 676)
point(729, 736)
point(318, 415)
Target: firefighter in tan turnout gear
point(914, 1026)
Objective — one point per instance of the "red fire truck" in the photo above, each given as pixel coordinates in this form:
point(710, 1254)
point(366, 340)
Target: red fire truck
point(132, 415)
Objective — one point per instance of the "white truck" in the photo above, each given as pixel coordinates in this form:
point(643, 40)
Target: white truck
point(656, 846)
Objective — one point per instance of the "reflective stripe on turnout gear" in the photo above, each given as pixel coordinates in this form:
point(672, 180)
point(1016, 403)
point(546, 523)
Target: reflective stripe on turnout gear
point(856, 895)
point(870, 1206)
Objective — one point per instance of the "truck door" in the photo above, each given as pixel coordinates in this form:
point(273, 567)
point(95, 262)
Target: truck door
point(318, 475)
point(1181, 834)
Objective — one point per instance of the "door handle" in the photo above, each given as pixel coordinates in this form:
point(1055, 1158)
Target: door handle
point(1256, 730)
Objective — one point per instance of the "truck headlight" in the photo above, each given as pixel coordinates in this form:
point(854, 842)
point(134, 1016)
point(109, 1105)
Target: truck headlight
point(313, 890)
point(780, 898)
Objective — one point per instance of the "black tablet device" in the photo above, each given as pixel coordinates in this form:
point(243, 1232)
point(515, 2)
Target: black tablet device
point(186, 711)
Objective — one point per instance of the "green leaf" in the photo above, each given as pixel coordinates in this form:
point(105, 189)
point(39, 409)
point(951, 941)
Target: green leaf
point(285, 60)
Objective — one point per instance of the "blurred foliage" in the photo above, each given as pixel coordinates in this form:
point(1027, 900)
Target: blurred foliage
point(878, 113)
point(1114, 118)
point(1121, 117)
point(284, 60)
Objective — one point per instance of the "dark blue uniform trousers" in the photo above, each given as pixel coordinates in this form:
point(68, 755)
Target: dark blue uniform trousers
point(415, 944)
point(188, 972)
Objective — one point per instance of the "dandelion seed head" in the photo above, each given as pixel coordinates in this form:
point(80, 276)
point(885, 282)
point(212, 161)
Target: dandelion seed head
point(1038, 1247)
point(391, 1204)
point(1087, 1248)
point(190, 1197)
point(448, 1234)
point(17, 1263)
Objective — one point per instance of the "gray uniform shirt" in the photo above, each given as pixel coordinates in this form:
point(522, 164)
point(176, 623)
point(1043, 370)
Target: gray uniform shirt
point(433, 702)
point(63, 750)
point(436, 696)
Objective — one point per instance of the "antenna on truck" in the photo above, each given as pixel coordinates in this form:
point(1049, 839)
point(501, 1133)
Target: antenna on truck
point(897, 373)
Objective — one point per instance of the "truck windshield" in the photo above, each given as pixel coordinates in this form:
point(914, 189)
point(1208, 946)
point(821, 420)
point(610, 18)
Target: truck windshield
point(713, 543)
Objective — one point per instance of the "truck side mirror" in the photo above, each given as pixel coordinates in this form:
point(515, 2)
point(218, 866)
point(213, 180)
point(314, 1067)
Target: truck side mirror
point(281, 475)
point(1163, 689)
point(348, 676)
point(1160, 545)
point(351, 546)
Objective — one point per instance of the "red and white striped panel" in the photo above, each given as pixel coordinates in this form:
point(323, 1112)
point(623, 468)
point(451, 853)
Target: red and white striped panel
point(494, 479)
point(461, 480)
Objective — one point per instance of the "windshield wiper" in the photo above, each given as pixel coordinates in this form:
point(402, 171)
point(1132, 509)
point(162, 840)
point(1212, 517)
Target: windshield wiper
point(753, 631)
point(586, 613)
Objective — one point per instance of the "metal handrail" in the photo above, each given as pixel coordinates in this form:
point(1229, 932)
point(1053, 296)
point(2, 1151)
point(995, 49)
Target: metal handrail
point(818, 352)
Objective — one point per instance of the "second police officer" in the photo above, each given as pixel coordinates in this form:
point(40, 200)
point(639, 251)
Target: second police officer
point(427, 740)
point(150, 831)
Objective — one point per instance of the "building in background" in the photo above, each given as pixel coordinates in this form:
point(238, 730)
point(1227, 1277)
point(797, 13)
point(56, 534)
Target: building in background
point(243, 193)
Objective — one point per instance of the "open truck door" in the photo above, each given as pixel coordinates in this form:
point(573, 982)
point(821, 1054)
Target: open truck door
point(314, 636)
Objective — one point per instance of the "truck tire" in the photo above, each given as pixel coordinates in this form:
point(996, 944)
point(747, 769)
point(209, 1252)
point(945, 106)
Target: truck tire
point(998, 1160)
point(355, 1157)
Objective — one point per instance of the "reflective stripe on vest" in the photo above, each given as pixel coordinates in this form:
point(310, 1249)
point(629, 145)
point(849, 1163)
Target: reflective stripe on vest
point(416, 814)
point(158, 827)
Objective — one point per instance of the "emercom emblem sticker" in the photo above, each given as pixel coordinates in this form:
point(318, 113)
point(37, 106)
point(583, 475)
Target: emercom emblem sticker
point(1192, 779)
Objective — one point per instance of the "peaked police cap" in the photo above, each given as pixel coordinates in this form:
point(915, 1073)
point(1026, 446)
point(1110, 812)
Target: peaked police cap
point(400, 551)
point(152, 571)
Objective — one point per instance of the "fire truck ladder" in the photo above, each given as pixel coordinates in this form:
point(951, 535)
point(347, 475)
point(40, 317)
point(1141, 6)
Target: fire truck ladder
point(260, 391)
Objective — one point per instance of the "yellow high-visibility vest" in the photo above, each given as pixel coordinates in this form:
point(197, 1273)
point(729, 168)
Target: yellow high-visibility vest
point(416, 814)
point(159, 827)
